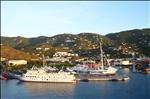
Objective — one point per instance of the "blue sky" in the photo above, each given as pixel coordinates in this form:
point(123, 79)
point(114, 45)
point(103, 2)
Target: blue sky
point(36, 18)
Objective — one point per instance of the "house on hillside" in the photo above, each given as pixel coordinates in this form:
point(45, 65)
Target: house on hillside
point(64, 54)
point(38, 48)
point(3, 59)
point(58, 59)
point(62, 57)
point(46, 49)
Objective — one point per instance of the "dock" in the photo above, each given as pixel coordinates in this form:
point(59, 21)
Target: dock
point(89, 77)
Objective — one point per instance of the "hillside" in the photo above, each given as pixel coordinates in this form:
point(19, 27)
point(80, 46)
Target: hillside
point(138, 38)
point(115, 44)
point(11, 53)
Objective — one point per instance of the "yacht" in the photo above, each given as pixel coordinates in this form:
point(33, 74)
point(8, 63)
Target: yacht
point(41, 75)
point(104, 70)
point(80, 68)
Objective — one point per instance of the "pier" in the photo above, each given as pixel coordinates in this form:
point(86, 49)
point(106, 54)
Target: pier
point(88, 77)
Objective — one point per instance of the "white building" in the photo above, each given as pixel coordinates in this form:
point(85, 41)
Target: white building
point(46, 49)
point(38, 48)
point(68, 41)
point(16, 62)
point(63, 54)
point(58, 59)
point(3, 59)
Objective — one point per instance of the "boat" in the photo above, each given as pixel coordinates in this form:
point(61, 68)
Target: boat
point(104, 70)
point(126, 69)
point(41, 75)
point(80, 68)
point(147, 70)
point(46, 74)
point(8, 75)
point(70, 70)
point(90, 77)
point(125, 78)
point(3, 78)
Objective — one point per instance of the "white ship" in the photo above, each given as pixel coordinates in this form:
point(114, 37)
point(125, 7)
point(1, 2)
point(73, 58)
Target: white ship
point(106, 71)
point(103, 69)
point(41, 75)
point(47, 74)
point(80, 68)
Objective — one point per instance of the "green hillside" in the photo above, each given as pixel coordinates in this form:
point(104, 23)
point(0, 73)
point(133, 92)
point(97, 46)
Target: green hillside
point(115, 44)
point(140, 39)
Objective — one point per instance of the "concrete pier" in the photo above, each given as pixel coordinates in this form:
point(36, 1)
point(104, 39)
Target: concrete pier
point(88, 77)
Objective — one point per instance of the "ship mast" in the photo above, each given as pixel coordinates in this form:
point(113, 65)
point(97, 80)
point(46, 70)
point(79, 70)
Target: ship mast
point(101, 50)
point(107, 60)
point(43, 60)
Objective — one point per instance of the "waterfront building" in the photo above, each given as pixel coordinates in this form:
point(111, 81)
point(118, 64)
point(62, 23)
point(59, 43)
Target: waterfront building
point(3, 59)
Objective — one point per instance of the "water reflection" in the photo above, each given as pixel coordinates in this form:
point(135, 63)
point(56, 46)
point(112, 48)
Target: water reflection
point(49, 87)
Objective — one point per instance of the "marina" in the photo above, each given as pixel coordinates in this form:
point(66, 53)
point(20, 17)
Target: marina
point(14, 89)
point(75, 50)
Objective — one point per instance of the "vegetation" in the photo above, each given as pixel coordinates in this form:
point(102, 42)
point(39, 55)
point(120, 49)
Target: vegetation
point(136, 41)
point(60, 65)
point(137, 38)
point(11, 53)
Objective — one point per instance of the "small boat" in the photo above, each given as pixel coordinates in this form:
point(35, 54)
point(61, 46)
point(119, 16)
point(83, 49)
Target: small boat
point(8, 75)
point(147, 70)
point(70, 70)
point(3, 78)
point(125, 78)
point(127, 69)
point(79, 68)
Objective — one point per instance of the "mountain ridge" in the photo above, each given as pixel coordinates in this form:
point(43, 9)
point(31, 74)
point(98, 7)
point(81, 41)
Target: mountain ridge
point(137, 39)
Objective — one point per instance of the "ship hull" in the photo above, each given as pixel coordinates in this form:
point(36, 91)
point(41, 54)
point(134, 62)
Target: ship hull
point(103, 72)
point(48, 81)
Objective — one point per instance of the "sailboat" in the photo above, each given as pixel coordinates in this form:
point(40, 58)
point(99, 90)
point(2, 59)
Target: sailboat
point(104, 70)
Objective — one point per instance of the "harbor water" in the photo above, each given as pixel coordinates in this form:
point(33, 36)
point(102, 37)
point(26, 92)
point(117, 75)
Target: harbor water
point(137, 87)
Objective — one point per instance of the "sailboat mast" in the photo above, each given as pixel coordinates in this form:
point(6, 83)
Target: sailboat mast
point(43, 60)
point(107, 60)
point(102, 63)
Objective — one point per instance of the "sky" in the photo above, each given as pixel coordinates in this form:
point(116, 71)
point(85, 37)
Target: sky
point(48, 18)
